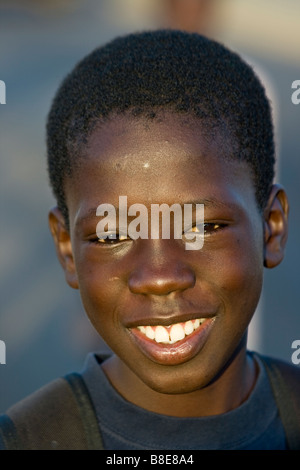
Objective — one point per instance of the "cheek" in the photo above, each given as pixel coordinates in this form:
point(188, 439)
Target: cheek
point(241, 280)
point(243, 289)
point(236, 273)
point(99, 289)
point(98, 297)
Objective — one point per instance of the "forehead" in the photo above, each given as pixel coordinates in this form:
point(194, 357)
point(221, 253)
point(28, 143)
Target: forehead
point(170, 158)
point(127, 144)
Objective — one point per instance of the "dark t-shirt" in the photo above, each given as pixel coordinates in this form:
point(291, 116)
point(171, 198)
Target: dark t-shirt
point(255, 425)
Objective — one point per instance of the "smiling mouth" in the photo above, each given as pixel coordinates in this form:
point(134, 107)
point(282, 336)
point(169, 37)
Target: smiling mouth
point(173, 333)
point(173, 344)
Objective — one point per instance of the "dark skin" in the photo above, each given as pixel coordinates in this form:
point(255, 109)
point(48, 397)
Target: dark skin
point(142, 282)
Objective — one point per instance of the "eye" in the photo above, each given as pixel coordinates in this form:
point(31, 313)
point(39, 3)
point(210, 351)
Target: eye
point(211, 228)
point(208, 228)
point(112, 239)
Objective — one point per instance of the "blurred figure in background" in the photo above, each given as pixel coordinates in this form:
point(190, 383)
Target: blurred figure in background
point(191, 15)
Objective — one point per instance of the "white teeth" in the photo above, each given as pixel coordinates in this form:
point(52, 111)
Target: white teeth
point(161, 335)
point(172, 333)
point(176, 333)
point(188, 327)
point(150, 332)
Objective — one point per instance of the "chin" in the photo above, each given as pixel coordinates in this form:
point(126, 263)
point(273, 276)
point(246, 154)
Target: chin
point(174, 382)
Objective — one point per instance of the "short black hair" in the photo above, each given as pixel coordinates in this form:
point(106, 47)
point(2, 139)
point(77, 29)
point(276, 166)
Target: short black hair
point(145, 72)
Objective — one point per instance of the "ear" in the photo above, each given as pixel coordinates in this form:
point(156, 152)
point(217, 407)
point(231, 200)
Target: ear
point(275, 226)
point(63, 246)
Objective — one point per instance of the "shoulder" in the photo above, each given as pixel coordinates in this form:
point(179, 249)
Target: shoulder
point(284, 379)
point(24, 424)
point(50, 418)
point(285, 383)
point(282, 370)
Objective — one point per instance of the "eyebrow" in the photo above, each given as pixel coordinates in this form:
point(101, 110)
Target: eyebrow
point(208, 202)
point(211, 202)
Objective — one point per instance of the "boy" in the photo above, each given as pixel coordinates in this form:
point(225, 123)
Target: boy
point(165, 117)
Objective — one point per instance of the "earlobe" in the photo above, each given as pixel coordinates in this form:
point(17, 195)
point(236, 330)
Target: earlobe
point(63, 246)
point(275, 226)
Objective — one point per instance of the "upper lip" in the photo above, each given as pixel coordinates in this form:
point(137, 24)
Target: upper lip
point(169, 319)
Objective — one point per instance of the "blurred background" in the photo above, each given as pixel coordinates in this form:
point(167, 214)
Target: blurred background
point(41, 319)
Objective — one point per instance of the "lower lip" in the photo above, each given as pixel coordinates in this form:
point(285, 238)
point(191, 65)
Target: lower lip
point(176, 353)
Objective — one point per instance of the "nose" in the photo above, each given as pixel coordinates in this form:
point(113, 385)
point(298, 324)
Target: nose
point(160, 272)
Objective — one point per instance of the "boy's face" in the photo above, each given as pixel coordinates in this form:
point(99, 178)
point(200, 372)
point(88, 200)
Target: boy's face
point(153, 282)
